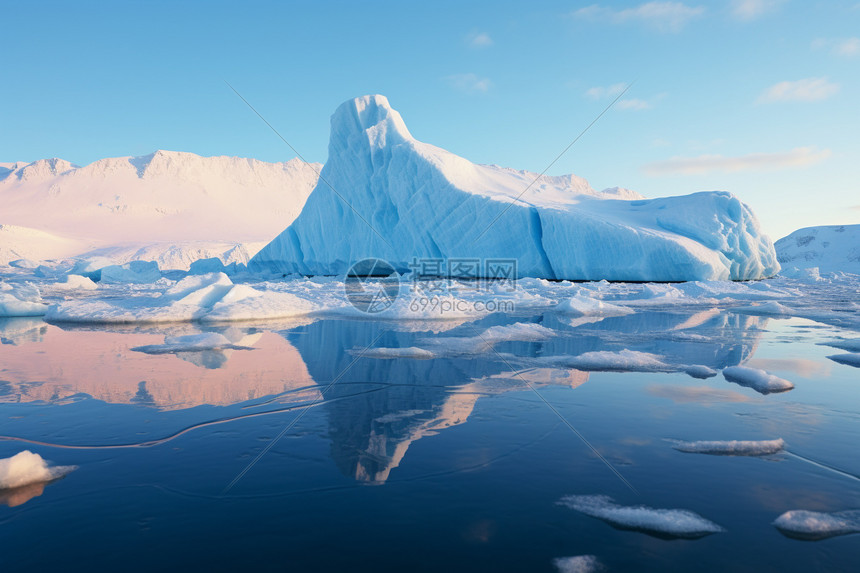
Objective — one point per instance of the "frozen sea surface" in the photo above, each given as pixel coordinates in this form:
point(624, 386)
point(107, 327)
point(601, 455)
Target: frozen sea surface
point(253, 444)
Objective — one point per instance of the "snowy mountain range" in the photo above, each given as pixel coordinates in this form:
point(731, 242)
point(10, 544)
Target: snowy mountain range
point(168, 206)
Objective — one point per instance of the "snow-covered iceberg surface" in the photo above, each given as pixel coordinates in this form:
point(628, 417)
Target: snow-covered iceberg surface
point(830, 248)
point(666, 523)
point(384, 194)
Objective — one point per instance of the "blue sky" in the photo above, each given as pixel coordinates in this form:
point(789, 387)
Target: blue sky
point(755, 97)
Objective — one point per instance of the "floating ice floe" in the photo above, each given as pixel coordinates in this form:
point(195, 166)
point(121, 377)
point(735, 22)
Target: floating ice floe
point(191, 343)
point(207, 298)
point(26, 467)
point(578, 564)
point(466, 345)
point(814, 525)
point(391, 353)
point(605, 360)
point(700, 371)
point(580, 305)
point(665, 523)
point(758, 380)
point(730, 448)
point(849, 359)
point(20, 300)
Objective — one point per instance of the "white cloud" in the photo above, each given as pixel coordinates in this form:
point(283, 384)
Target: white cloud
point(479, 40)
point(800, 157)
point(748, 10)
point(846, 47)
point(663, 16)
point(469, 83)
point(634, 104)
point(600, 92)
point(808, 89)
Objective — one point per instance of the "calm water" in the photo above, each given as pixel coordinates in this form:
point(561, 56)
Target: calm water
point(447, 464)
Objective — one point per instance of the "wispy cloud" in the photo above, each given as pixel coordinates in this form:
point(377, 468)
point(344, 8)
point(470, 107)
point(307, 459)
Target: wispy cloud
point(748, 10)
point(601, 92)
point(845, 47)
point(634, 104)
point(662, 16)
point(800, 157)
point(479, 40)
point(808, 89)
point(469, 83)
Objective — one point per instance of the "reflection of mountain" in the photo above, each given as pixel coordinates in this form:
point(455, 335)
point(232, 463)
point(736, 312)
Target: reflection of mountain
point(393, 403)
point(100, 364)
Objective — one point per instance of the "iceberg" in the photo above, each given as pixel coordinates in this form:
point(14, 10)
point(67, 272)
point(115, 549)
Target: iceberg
point(829, 248)
point(384, 194)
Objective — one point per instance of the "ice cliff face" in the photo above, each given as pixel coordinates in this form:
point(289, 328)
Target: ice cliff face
point(384, 194)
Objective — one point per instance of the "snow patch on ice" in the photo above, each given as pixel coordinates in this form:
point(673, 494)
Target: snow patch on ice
point(26, 467)
point(669, 523)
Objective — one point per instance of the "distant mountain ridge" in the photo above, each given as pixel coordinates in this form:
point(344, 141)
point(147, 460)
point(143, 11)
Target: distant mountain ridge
point(160, 198)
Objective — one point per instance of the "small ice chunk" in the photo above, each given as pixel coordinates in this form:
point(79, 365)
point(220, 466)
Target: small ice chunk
point(814, 525)
point(72, 282)
point(849, 359)
point(665, 523)
point(131, 272)
point(731, 448)
point(580, 305)
point(20, 300)
point(700, 371)
point(387, 353)
point(771, 308)
point(758, 380)
point(26, 467)
point(578, 564)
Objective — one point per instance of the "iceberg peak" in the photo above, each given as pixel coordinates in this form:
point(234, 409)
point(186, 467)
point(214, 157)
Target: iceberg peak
point(369, 116)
